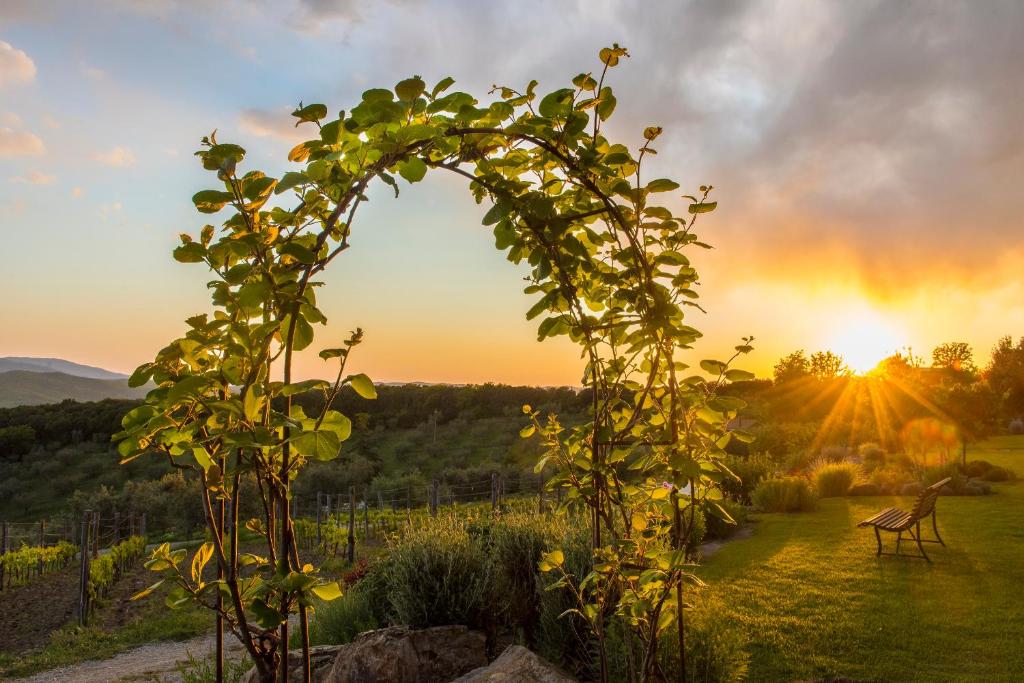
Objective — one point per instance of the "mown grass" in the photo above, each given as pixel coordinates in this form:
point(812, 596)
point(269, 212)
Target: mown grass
point(816, 602)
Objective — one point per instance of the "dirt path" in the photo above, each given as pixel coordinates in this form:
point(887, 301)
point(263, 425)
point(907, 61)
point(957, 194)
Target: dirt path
point(153, 662)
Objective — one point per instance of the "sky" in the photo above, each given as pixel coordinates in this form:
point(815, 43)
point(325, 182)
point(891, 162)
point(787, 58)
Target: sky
point(867, 158)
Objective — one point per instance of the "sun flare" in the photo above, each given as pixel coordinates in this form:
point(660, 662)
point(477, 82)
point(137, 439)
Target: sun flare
point(863, 337)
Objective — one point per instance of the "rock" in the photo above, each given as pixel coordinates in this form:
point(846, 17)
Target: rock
point(403, 655)
point(321, 658)
point(865, 489)
point(516, 665)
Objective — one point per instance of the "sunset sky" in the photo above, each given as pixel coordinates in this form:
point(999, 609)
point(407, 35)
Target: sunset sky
point(867, 159)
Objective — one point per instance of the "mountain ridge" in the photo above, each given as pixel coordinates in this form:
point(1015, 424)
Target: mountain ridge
point(67, 367)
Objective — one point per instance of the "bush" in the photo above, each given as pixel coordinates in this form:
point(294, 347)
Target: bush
point(715, 647)
point(565, 637)
point(751, 470)
point(835, 453)
point(437, 574)
point(1017, 426)
point(872, 456)
point(340, 621)
point(788, 494)
point(718, 528)
point(998, 474)
point(834, 480)
point(514, 544)
point(890, 479)
point(864, 489)
point(977, 468)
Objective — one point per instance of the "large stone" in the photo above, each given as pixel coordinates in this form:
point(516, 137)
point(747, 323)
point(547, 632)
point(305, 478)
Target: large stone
point(516, 665)
point(321, 659)
point(403, 655)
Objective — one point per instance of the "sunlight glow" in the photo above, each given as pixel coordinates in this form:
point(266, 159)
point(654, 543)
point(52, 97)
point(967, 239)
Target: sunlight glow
point(863, 337)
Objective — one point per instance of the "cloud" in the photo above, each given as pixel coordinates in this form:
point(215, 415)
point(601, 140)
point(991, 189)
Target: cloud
point(19, 143)
point(15, 65)
point(93, 72)
point(118, 156)
point(35, 178)
point(77, 192)
point(273, 123)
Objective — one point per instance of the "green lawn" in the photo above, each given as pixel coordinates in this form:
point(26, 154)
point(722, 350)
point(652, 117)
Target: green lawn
point(815, 601)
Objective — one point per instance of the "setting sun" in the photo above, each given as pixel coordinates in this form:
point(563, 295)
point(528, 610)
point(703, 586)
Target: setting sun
point(864, 337)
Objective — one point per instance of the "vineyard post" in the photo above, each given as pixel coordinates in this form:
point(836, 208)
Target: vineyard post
point(142, 525)
point(117, 528)
point(494, 491)
point(83, 573)
point(42, 541)
point(95, 534)
point(433, 498)
point(351, 524)
point(3, 549)
point(319, 513)
point(366, 517)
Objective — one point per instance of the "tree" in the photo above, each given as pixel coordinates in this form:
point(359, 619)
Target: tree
point(1005, 375)
point(954, 357)
point(971, 407)
point(826, 365)
point(792, 367)
point(608, 268)
point(16, 441)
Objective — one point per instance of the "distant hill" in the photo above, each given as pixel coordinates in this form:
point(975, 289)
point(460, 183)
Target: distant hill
point(25, 364)
point(33, 387)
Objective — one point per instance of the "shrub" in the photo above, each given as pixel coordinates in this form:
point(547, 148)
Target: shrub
point(911, 489)
point(864, 489)
point(998, 474)
point(715, 647)
point(340, 621)
point(514, 547)
point(872, 456)
point(788, 494)
point(1017, 426)
point(718, 528)
point(957, 481)
point(890, 479)
point(977, 468)
point(834, 480)
point(563, 636)
point(835, 453)
point(438, 574)
point(751, 470)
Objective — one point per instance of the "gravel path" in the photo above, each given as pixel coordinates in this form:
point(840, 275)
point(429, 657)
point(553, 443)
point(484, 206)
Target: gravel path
point(153, 662)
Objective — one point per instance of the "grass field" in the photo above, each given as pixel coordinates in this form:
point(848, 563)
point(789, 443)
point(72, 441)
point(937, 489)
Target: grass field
point(816, 602)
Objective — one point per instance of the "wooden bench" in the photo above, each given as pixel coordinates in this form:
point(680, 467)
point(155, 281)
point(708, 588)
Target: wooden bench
point(897, 521)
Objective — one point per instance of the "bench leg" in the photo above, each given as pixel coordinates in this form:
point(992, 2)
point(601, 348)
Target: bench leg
point(935, 527)
point(878, 537)
point(919, 546)
point(899, 539)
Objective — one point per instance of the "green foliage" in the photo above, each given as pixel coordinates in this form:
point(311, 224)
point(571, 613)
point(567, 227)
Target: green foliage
point(340, 621)
point(890, 478)
point(106, 569)
point(20, 565)
point(788, 494)
point(750, 470)
point(872, 456)
point(204, 670)
point(16, 441)
point(999, 474)
point(718, 528)
point(438, 574)
point(834, 479)
point(977, 468)
point(608, 269)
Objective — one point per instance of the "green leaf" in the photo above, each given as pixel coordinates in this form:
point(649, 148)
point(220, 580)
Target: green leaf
point(327, 591)
point(363, 386)
point(443, 85)
point(703, 207)
point(410, 88)
point(192, 252)
point(607, 103)
point(713, 367)
point(202, 457)
point(310, 113)
point(412, 169)
point(338, 424)
point(290, 180)
point(143, 593)
point(738, 375)
point(321, 444)
point(527, 431)
point(211, 201)
point(199, 560)
point(662, 185)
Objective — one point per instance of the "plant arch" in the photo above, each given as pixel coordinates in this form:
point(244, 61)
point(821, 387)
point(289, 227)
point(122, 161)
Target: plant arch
point(608, 269)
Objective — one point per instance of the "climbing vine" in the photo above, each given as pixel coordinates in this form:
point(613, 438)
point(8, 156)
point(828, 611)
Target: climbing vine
point(608, 268)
